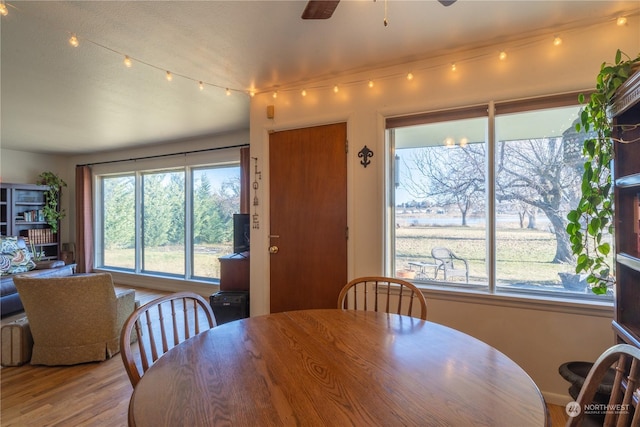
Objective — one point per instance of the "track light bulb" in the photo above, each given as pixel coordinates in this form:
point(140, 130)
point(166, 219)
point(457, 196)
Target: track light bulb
point(3, 9)
point(453, 67)
point(275, 94)
point(621, 21)
point(410, 76)
point(127, 62)
point(335, 89)
point(503, 55)
point(304, 92)
point(228, 92)
point(73, 41)
point(557, 41)
point(169, 76)
point(200, 85)
point(370, 83)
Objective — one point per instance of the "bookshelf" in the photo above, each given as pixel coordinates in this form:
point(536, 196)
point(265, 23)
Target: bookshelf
point(625, 111)
point(21, 215)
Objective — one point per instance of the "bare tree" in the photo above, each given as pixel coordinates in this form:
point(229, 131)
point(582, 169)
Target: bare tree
point(534, 172)
point(526, 211)
point(451, 176)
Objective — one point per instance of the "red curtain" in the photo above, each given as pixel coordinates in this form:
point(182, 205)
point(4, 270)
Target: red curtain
point(84, 220)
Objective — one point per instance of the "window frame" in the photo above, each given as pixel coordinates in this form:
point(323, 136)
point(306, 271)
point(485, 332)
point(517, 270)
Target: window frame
point(186, 162)
point(492, 291)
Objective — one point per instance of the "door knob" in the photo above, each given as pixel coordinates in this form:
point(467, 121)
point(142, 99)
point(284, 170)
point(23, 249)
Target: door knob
point(273, 249)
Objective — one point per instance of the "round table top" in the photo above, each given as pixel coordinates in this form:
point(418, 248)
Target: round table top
point(335, 367)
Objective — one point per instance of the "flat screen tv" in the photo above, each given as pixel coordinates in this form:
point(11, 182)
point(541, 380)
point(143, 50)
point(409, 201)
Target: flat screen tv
point(240, 233)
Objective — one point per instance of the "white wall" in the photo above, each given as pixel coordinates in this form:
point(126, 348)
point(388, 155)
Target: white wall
point(24, 168)
point(539, 338)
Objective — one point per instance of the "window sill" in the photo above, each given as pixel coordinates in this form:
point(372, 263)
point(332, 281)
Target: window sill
point(586, 307)
point(162, 283)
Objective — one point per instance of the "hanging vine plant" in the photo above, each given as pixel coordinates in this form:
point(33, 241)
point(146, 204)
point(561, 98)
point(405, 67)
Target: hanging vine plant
point(592, 220)
point(52, 213)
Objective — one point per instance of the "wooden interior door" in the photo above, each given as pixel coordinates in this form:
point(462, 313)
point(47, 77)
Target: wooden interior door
point(308, 198)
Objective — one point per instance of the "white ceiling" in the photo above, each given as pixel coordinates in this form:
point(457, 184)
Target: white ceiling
point(60, 99)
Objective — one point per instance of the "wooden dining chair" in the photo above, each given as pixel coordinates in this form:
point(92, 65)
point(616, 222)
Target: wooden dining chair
point(160, 325)
point(386, 294)
point(621, 409)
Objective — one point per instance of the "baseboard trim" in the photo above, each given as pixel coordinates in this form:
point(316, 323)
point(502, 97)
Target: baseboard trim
point(556, 398)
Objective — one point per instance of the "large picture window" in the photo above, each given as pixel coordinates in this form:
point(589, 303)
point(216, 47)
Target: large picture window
point(440, 201)
point(163, 222)
point(119, 221)
point(538, 168)
point(216, 197)
point(174, 222)
point(480, 200)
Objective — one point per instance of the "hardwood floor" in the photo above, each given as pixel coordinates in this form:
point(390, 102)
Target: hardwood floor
point(91, 394)
point(558, 415)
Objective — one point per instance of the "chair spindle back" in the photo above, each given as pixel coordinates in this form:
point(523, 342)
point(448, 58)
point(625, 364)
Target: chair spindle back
point(387, 294)
point(159, 326)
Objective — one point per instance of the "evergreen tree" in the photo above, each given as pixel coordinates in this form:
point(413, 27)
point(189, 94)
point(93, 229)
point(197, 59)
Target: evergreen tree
point(156, 214)
point(119, 212)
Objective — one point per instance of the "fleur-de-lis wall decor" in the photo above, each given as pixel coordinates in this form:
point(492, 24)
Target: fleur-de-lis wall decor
point(365, 154)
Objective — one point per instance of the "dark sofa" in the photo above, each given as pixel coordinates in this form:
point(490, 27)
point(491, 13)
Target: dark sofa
point(15, 260)
point(10, 300)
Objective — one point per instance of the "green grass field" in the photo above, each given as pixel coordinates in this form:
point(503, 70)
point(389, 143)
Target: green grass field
point(523, 255)
point(170, 259)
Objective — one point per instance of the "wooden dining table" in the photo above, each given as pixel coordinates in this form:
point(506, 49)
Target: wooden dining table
point(335, 368)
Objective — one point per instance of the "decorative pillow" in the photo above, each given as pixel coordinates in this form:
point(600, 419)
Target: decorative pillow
point(13, 258)
point(5, 263)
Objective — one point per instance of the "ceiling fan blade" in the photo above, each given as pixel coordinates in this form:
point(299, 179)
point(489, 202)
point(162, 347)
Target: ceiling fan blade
point(319, 9)
point(447, 2)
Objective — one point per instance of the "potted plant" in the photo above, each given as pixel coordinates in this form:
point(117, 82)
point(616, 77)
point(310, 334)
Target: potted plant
point(592, 219)
point(52, 213)
point(35, 253)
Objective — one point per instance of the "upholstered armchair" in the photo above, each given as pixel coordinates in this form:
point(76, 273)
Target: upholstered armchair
point(74, 319)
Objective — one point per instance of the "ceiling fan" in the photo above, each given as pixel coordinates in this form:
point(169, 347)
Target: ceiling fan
point(323, 9)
